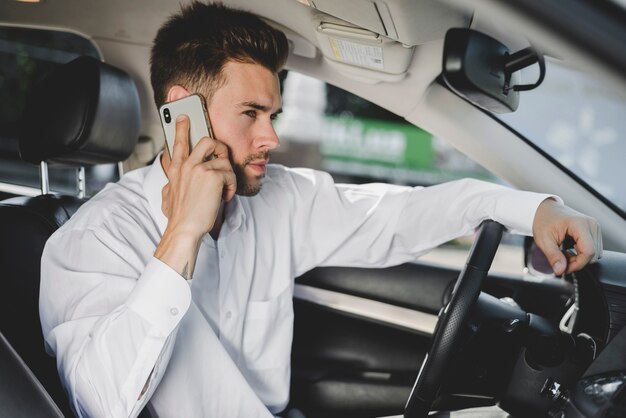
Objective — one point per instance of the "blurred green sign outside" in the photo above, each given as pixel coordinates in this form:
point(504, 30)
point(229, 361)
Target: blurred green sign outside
point(395, 151)
point(380, 142)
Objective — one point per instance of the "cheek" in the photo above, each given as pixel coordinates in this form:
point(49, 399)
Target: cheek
point(220, 124)
point(237, 146)
point(231, 132)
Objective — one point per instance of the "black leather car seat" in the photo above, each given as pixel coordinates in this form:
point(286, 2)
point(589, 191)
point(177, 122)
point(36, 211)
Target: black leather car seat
point(16, 381)
point(82, 113)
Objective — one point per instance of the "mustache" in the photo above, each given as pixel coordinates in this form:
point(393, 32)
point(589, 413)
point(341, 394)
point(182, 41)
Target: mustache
point(265, 155)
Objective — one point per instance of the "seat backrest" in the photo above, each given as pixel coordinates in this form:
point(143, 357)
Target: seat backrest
point(17, 384)
point(83, 113)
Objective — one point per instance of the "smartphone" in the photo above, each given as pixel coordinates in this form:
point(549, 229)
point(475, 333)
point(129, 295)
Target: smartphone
point(199, 125)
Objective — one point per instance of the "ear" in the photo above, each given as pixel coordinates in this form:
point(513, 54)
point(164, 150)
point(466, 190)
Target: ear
point(177, 92)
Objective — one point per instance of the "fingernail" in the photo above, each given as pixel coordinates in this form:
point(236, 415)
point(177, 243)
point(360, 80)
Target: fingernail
point(558, 266)
point(180, 118)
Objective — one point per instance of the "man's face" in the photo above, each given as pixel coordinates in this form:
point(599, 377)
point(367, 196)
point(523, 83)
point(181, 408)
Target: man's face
point(241, 113)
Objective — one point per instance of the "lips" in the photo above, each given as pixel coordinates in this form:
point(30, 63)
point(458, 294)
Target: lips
point(258, 166)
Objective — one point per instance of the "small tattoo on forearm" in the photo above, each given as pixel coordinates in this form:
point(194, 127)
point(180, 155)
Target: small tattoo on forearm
point(185, 272)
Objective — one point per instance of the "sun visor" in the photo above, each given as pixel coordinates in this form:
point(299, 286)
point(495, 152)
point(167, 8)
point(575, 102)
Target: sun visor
point(346, 44)
point(411, 22)
point(374, 40)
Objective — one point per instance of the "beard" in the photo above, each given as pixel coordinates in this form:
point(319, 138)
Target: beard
point(245, 186)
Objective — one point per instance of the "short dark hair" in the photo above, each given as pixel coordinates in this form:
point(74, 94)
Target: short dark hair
point(193, 46)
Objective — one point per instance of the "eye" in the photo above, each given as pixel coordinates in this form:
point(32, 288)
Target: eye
point(274, 116)
point(250, 113)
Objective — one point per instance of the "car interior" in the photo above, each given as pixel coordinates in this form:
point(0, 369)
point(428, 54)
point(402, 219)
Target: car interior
point(404, 340)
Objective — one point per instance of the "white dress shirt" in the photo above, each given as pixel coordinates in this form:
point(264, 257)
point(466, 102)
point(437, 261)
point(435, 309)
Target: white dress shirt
point(126, 328)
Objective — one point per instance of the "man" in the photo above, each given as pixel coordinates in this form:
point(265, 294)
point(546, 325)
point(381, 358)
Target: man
point(175, 285)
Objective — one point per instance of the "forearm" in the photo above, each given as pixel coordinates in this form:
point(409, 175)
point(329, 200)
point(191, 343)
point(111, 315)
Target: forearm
point(440, 213)
point(179, 250)
point(381, 226)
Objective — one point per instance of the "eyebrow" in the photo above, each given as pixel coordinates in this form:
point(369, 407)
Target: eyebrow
point(260, 107)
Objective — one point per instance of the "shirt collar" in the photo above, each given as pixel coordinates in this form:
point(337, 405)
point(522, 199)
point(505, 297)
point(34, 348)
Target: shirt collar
point(233, 216)
point(153, 187)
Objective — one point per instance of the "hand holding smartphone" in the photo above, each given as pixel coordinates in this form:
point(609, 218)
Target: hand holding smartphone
point(199, 126)
point(192, 199)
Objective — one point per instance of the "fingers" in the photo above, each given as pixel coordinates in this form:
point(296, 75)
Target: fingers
point(181, 141)
point(222, 168)
point(165, 207)
point(588, 245)
point(552, 251)
point(207, 149)
point(553, 223)
point(230, 184)
point(198, 182)
point(213, 155)
point(219, 171)
point(579, 258)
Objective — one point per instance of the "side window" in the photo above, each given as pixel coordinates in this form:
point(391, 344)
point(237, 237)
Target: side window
point(327, 128)
point(26, 55)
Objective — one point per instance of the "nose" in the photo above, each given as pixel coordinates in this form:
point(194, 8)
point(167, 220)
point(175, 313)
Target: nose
point(267, 138)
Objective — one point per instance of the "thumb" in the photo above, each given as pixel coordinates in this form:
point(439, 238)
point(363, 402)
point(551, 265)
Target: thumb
point(553, 253)
point(165, 207)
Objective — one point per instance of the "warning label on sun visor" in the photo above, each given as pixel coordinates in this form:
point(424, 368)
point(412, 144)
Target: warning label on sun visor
point(359, 54)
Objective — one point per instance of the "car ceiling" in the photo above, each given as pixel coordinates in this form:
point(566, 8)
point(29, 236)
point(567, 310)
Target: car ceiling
point(124, 38)
point(408, 21)
point(124, 30)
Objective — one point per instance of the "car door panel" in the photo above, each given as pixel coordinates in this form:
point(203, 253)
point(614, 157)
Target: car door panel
point(414, 286)
point(361, 334)
point(348, 366)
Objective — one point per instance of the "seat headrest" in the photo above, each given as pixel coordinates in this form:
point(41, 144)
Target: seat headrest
point(83, 113)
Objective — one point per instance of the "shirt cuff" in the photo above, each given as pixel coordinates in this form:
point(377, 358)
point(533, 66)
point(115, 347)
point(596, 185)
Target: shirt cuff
point(161, 296)
point(517, 210)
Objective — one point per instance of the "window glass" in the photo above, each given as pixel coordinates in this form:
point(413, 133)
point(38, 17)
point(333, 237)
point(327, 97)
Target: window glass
point(357, 141)
point(327, 128)
point(26, 55)
point(578, 120)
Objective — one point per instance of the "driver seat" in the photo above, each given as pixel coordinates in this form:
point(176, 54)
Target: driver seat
point(81, 114)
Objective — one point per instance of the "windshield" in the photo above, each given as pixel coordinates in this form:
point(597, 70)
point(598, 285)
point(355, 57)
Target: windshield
point(580, 122)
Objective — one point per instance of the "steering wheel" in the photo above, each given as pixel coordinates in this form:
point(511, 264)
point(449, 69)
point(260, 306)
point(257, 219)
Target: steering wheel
point(452, 320)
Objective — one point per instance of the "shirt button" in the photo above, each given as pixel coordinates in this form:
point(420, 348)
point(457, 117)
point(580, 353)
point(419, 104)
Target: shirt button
point(174, 311)
point(229, 314)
